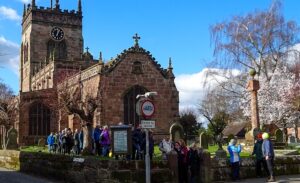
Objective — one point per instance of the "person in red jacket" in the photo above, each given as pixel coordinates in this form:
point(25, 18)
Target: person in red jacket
point(182, 152)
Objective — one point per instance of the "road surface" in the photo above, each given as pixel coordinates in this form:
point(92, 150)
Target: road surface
point(279, 179)
point(10, 176)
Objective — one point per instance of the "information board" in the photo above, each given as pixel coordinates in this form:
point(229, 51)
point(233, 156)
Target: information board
point(120, 141)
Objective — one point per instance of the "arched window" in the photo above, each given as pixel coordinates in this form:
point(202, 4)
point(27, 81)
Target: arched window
point(25, 50)
point(39, 119)
point(62, 50)
point(22, 53)
point(56, 49)
point(130, 116)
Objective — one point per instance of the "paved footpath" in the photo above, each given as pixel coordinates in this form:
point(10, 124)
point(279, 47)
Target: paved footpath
point(10, 176)
point(279, 179)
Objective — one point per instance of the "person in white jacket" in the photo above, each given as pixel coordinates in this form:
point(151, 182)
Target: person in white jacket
point(165, 146)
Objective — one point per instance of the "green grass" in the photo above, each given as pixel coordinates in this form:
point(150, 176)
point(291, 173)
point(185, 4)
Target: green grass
point(34, 149)
point(156, 156)
point(212, 149)
point(157, 153)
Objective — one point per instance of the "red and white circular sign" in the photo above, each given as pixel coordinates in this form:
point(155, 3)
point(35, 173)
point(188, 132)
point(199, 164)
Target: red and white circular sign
point(147, 108)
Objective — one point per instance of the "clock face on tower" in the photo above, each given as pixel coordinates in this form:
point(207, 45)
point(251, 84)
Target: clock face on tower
point(57, 33)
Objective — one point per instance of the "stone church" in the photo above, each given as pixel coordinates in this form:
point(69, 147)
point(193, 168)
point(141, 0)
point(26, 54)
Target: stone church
point(52, 54)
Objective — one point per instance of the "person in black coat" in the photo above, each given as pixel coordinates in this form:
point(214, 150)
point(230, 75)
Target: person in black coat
point(257, 151)
point(194, 163)
point(137, 142)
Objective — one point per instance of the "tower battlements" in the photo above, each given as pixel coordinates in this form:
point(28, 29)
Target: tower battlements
point(51, 15)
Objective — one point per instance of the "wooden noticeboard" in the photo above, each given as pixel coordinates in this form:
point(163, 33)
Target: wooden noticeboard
point(121, 139)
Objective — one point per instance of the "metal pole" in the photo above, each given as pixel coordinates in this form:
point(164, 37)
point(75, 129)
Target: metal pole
point(147, 158)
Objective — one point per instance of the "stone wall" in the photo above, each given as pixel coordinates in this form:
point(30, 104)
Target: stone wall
point(92, 169)
point(220, 169)
point(87, 169)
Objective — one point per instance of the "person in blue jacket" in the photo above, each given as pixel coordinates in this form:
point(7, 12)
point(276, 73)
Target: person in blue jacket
point(50, 141)
point(96, 136)
point(80, 140)
point(268, 154)
point(234, 152)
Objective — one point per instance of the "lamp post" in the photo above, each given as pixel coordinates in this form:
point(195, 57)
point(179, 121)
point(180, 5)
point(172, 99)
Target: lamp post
point(146, 109)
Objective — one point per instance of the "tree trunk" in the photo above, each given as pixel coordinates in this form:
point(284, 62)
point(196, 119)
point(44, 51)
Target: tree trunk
point(87, 139)
point(219, 139)
point(220, 145)
point(4, 138)
point(285, 134)
point(296, 130)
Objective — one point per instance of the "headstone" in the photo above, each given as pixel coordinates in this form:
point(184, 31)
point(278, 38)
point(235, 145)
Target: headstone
point(279, 135)
point(176, 132)
point(12, 136)
point(41, 142)
point(203, 140)
point(292, 139)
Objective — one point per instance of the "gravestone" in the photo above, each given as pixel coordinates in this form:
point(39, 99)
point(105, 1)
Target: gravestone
point(292, 139)
point(12, 136)
point(176, 132)
point(41, 142)
point(279, 135)
point(203, 140)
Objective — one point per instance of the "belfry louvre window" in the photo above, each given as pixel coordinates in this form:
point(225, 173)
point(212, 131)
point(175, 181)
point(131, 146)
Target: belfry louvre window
point(56, 50)
point(39, 119)
point(130, 116)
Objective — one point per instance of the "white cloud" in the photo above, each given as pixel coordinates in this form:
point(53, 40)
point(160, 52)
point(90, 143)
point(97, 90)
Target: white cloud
point(9, 54)
point(25, 1)
point(9, 13)
point(192, 87)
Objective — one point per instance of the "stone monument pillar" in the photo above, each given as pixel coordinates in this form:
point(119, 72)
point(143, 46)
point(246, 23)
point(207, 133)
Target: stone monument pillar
point(253, 87)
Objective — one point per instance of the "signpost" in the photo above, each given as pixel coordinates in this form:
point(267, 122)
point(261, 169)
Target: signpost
point(147, 124)
point(146, 109)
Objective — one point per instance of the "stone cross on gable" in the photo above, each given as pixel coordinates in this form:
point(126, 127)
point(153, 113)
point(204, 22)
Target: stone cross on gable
point(136, 38)
point(87, 49)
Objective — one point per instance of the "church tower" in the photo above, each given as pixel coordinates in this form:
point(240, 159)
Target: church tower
point(48, 35)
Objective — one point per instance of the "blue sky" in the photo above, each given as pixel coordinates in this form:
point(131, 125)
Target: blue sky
point(168, 28)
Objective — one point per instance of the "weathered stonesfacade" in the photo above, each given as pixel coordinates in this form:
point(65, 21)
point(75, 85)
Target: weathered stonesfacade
point(52, 57)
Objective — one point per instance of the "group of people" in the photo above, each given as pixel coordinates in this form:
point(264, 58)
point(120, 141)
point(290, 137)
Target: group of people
point(264, 154)
point(188, 158)
point(66, 141)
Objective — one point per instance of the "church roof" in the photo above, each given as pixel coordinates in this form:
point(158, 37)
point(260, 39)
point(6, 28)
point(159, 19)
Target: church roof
point(109, 66)
point(234, 128)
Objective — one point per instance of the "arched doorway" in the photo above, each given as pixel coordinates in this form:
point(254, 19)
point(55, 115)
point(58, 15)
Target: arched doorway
point(130, 116)
point(39, 120)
